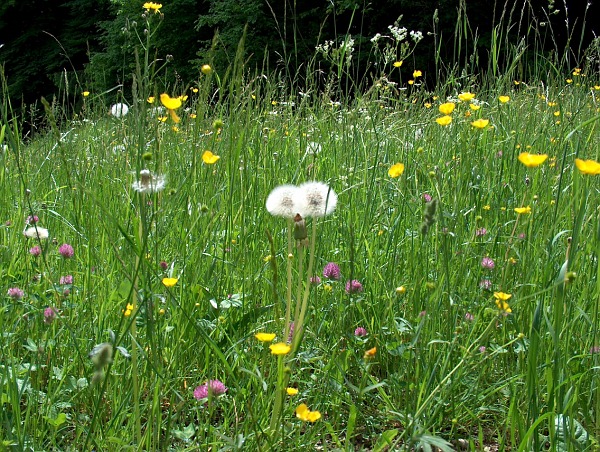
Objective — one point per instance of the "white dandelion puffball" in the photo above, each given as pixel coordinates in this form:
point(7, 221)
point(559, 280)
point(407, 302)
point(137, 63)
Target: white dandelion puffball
point(119, 110)
point(286, 201)
point(320, 199)
point(149, 183)
point(36, 232)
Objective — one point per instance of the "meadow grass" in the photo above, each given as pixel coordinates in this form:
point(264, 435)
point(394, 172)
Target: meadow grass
point(169, 287)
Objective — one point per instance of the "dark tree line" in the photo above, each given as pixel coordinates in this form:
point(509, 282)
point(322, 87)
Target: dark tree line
point(50, 47)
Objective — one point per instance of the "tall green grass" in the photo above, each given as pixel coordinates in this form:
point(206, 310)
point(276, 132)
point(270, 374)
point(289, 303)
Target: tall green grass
point(450, 369)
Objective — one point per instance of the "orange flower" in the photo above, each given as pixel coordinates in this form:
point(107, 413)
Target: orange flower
point(370, 353)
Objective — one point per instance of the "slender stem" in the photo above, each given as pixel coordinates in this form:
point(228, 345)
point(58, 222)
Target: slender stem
point(299, 322)
point(288, 295)
point(134, 352)
point(279, 392)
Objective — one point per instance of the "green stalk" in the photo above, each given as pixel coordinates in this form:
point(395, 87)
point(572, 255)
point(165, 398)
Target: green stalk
point(288, 295)
point(299, 321)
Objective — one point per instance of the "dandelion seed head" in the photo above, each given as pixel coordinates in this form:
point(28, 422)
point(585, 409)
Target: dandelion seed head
point(36, 232)
point(285, 201)
point(149, 183)
point(119, 110)
point(321, 200)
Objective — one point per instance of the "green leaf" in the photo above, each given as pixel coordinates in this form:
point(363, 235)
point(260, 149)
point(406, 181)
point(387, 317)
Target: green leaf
point(56, 422)
point(385, 440)
point(570, 434)
point(186, 434)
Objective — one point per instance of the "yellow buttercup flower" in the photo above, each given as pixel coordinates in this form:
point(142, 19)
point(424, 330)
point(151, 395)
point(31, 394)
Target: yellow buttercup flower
point(128, 310)
point(503, 306)
point(280, 348)
point(209, 158)
point(532, 160)
point(466, 97)
point(502, 296)
point(265, 337)
point(444, 120)
point(304, 414)
point(474, 107)
point(291, 391)
point(398, 63)
point(150, 100)
point(590, 167)
point(503, 99)
point(417, 74)
point(396, 170)
point(480, 123)
point(170, 103)
point(447, 108)
point(86, 93)
point(206, 69)
point(152, 6)
point(169, 282)
point(523, 210)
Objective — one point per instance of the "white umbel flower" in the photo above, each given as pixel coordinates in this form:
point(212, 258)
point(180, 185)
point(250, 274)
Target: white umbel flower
point(320, 199)
point(36, 232)
point(286, 201)
point(149, 183)
point(119, 110)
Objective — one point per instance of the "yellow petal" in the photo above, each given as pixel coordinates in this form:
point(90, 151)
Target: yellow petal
point(465, 97)
point(291, 391)
point(265, 337)
point(590, 167)
point(171, 103)
point(396, 170)
point(522, 210)
point(174, 117)
point(480, 123)
point(447, 108)
point(169, 282)
point(280, 348)
point(444, 120)
point(209, 158)
point(502, 296)
point(532, 160)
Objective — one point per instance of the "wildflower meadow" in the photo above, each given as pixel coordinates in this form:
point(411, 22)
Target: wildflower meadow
point(241, 263)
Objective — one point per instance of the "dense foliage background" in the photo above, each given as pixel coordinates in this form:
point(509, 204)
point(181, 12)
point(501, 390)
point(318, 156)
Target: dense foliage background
point(62, 48)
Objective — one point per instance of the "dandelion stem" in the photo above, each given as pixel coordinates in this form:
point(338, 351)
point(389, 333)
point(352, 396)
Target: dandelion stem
point(288, 296)
point(299, 321)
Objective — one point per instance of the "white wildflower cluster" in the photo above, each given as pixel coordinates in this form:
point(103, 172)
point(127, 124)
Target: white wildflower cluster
point(396, 47)
point(325, 48)
point(346, 49)
point(311, 199)
point(398, 33)
point(376, 38)
point(337, 55)
point(416, 36)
